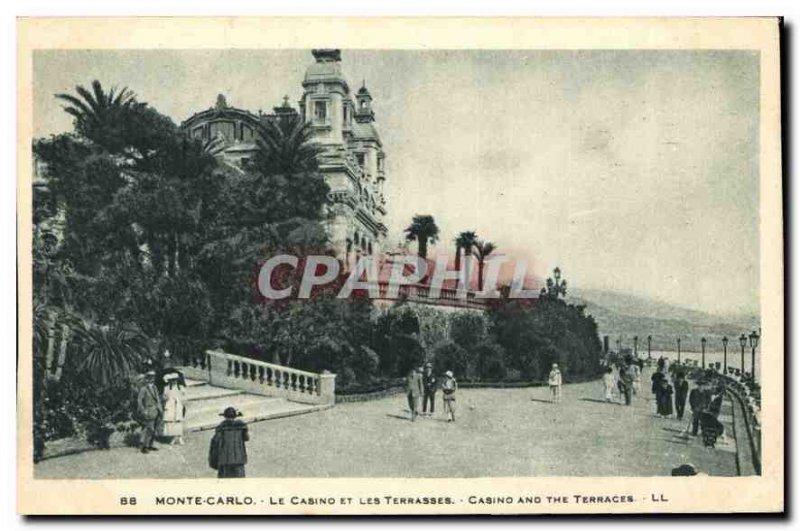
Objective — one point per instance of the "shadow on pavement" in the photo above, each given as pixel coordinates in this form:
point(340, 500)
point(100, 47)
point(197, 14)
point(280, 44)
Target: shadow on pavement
point(541, 400)
point(599, 401)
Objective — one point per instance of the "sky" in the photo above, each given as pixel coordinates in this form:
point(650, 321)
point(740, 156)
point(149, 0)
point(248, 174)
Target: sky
point(634, 171)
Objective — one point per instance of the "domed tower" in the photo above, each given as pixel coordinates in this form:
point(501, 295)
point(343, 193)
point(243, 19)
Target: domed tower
point(325, 91)
point(353, 158)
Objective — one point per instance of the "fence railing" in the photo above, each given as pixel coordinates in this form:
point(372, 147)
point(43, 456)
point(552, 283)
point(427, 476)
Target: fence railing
point(751, 418)
point(423, 294)
point(259, 377)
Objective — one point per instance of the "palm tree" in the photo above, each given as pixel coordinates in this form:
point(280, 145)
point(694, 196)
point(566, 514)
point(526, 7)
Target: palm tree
point(98, 113)
point(465, 241)
point(109, 352)
point(286, 146)
point(481, 251)
point(423, 229)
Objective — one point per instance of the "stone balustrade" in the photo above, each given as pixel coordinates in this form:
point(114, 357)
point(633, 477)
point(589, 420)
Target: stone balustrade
point(422, 293)
point(258, 377)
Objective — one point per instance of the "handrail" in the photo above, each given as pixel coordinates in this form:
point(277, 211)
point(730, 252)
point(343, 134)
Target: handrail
point(235, 357)
point(751, 422)
point(231, 371)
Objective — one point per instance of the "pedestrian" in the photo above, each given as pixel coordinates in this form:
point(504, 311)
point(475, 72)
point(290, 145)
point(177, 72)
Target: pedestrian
point(636, 372)
point(414, 391)
point(681, 392)
point(227, 453)
point(429, 384)
point(664, 398)
point(710, 425)
point(554, 381)
point(608, 383)
point(626, 381)
point(150, 412)
point(449, 388)
point(698, 401)
point(174, 409)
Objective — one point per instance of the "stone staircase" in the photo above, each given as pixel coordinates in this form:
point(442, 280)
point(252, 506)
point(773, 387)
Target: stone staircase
point(204, 403)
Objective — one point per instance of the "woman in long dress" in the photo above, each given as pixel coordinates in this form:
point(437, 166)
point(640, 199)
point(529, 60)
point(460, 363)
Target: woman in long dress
point(174, 409)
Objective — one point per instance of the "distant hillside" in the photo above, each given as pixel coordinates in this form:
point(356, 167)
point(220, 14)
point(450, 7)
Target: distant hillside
point(628, 315)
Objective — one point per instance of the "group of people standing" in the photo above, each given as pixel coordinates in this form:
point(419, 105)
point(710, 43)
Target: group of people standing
point(626, 378)
point(422, 385)
point(705, 401)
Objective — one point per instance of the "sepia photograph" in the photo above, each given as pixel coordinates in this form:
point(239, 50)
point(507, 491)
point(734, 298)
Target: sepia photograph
point(481, 263)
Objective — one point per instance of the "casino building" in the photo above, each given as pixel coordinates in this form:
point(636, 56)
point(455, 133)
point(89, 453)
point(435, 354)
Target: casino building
point(352, 161)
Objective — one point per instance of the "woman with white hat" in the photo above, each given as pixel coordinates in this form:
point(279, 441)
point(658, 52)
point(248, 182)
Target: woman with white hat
point(449, 387)
point(174, 410)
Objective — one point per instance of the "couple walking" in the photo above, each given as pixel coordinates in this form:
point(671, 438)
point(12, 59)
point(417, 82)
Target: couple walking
point(421, 383)
point(160, 412)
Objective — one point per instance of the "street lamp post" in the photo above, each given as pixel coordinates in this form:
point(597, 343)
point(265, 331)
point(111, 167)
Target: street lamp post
point(743, 343)
point(703, 352)
point(753, 344)
point(679, 351)
point(619, 344)
point(635, 345)
point(725, 355)
point(649, 339)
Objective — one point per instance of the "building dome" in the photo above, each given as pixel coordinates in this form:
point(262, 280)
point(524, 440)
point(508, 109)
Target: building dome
point(327, 68)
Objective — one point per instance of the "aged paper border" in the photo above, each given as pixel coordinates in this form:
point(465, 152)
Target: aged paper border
point(764, 493)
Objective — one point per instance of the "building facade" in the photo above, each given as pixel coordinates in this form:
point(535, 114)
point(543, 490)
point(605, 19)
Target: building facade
point(352, 159)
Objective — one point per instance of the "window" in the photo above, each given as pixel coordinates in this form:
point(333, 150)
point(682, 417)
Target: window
point(361, 159)
point(320, 111)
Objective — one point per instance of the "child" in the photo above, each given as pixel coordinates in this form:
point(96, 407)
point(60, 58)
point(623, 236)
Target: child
point(449, 387)
point(227, 453)
point(554, 381)
point(608, 382)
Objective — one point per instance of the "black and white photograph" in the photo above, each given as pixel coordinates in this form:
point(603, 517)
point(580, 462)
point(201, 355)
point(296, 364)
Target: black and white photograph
point(399, 262)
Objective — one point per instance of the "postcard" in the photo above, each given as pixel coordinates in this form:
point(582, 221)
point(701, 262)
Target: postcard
point(382, 266)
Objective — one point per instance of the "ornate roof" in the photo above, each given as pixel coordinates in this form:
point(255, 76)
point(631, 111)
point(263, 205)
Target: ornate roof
point(221, 110)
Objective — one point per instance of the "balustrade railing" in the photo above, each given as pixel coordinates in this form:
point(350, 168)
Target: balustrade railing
point(237, 372)
point(422, 293)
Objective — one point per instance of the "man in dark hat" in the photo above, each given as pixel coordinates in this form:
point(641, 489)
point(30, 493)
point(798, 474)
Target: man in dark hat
point(227, 453)
point(429, 384)
point(149, 411)
point(698, 402)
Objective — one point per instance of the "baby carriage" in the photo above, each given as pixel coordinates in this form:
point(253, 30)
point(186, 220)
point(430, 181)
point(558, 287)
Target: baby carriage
point(710, 428)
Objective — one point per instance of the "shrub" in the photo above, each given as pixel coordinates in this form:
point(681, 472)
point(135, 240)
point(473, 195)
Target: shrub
point(490, 361)
point(80, 408)
point(450, 356)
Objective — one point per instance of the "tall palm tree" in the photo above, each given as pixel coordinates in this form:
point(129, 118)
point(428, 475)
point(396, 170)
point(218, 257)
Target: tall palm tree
point(465, 241)
point(481, 251)
point(286, 146)
point(423, 229)
point(99, 113)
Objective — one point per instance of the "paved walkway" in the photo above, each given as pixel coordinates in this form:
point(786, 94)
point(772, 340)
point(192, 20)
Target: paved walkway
point(499, 432)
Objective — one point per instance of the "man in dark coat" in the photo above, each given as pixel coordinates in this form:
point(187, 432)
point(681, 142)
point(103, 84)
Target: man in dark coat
point(698, 402)
point(414, 391)
point(429, 383)
point(227, 452)
point(626, 382)
point(681, 392)
point(149, 411)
